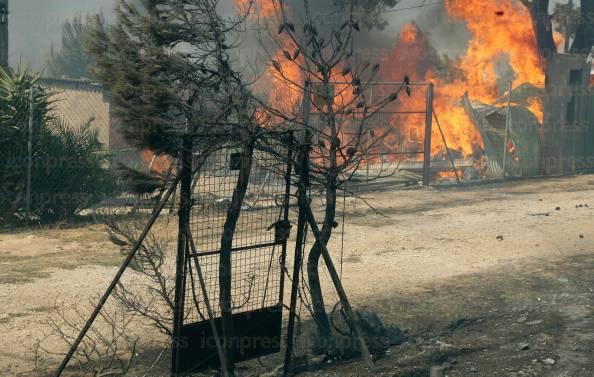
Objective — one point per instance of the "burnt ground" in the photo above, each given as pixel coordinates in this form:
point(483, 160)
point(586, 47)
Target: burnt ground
point(532, 319)
point(496, 280)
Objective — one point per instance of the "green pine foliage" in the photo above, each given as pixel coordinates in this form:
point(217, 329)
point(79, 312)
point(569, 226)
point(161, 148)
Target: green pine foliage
point(166, 66)
point(71, 60)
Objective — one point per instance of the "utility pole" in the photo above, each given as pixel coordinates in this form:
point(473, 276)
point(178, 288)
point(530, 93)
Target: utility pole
point(4, 34)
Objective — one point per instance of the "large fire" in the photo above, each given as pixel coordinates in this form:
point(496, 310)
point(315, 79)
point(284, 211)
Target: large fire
point(501, 34)
point(284, 81)
point(256, 8)
point(500, 30)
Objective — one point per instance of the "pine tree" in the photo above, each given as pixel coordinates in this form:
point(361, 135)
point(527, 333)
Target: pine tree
point(71, 60)
point(167, 68)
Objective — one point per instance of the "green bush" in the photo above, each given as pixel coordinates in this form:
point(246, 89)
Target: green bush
point(68, 165)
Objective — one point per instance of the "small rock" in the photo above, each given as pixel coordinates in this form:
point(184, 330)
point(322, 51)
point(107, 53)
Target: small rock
point(557, 208)
point(444, 346)
point(549, 361)
point(317, 360)
point(500, 238)
point(523, 346)
point(473, 369)
point(522, 319)
point(581, 236)
point(395, 335)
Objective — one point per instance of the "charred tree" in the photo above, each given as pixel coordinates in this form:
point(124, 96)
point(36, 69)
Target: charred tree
point(323, 53)
point(543, 27)
point(166, 65)
point(184, 213)
point(584, 35)
point(225, 265)
point(4, 34)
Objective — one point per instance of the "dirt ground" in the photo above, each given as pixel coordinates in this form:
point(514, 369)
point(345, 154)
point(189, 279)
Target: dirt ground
point(494, 279)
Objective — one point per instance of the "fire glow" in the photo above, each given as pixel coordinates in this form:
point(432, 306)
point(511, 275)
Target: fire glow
point(500, 32)
point(157, 164)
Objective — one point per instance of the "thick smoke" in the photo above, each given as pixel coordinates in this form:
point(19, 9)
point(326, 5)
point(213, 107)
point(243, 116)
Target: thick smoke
point(36, 25)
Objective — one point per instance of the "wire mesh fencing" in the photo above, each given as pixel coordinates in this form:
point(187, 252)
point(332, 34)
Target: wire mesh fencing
point(258, 251)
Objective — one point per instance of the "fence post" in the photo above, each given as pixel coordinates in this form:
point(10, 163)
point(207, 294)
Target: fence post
point(30, 154)
point(301, 227)
point(184, 212)
point(508, 120)
point(428, 127)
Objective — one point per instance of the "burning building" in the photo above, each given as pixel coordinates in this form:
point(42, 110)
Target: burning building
point(472, 90)
point(469, 89)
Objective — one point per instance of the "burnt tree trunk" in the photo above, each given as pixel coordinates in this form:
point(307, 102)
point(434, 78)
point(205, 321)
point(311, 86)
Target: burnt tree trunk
point(584, 35)
point(313, 260)
point(331, 183)
point(225, 266)
point(543, 27)
point(184, 214)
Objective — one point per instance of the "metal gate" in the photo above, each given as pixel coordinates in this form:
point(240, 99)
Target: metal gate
point(258, 253)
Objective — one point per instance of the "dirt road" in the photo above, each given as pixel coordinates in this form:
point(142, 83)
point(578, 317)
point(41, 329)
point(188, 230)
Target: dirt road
point(496, 279)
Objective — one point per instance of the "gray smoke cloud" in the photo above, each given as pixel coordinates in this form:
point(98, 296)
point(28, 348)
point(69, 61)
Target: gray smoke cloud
point(35, 25)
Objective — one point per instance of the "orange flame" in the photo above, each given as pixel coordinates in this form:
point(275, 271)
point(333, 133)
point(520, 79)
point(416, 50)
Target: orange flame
point(257, 8)
point(157, 164)
point(408, 34)
point(500, 31)
point(412, 55)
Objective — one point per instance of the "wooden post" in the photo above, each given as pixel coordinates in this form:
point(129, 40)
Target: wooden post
point(182, 243)
point(156, 211)
point(428, 127)
point(507, 128)
point(211, 319)
point(351, 317)
point(289, 143)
